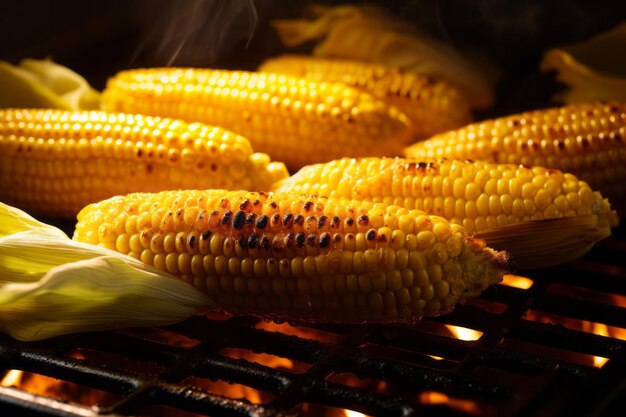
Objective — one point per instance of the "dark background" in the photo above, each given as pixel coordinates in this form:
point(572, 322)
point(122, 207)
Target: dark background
point(96, 39)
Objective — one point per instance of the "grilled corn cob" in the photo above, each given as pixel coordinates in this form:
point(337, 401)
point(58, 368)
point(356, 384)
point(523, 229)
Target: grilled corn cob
point(54, 162)
point(543, 217)
point(432, 105)
point(588, 140)
point(294, 120)
point(298, 257)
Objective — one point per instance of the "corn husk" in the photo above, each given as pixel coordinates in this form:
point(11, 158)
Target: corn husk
point(51, 285)
point(593, 70)
point(45, 84)
point(368, 33)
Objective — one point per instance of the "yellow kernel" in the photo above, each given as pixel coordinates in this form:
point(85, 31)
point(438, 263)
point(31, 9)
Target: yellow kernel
point(365, 284)
point(375, 301)
point(147, 256)
point(221, 265)
point(352, 282)
point(217, 244)
point(159, 261)
point(427, 292)
point(407, 278)
point(121, 243)
point(425, 239)
point(542, 199)
point(435, 273)
point(156, 243)
point(394, 280)
point(416, 260)
point(440, 252)
point(410, 242)
point(442, 288)
point(402, 258)
point(240, 285)
point(197, 268)
point(259, 268)
point(135, 244)
point(397, 239)
point(529, 190)
point(184, 263)
point(421, 277)
point(308, 265)
point(234, 266)
point(272, 267)
point(433, 307)
point(378, 281)
point(169, 242)
point(297, 266)
point(208, 263)
point(171, 263)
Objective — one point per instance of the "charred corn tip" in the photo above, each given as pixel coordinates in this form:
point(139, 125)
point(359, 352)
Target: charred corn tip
point(295, 256)
point(588, 140)
point(294, 120)
point(53, 162)
point(498, 202)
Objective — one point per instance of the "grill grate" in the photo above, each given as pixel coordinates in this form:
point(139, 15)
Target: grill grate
point(521, 365)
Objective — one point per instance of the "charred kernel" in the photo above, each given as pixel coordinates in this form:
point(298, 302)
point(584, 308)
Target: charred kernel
point(363, 220)
point(298, 220)
point(371, 234)
point(238, 220)
point(250, 219)
point(261, 222)
point(349, 222)
point(308, 206)
point(300, 238)
point(253, 240)
point(256, 203)
point(311, 240)
point(321, 222)
point(228, 215)
point(277, 244)
point(275, 220)
point(245, 205)
point(191, 240)
point(287, 220)
point(324, 240)
point(265, 243)
point(335, 222)
point(273, 205)
point(205, 235)
point(243, 243)
point(290, 240)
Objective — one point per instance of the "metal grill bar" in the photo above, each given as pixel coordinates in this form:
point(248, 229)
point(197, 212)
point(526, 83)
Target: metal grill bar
point(410, 359)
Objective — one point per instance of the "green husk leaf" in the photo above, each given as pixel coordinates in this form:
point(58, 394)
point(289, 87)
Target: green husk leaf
point(51, 285)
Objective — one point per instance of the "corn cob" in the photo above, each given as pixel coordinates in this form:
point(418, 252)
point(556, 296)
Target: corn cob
point(588, 140)
point(54, 162)
point(432, 105)
point(543, 217)
point(298, 257)
point(294, 120)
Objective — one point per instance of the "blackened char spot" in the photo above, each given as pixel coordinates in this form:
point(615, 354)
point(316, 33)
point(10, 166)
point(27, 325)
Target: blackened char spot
point(287, 219)
point(298, 220)
point(245, 205)
point(250, 219)
point(364, 220)
point(252, 241)
point(321, 222)
point(335, 222)
point(191, 240)
point(308, 205)
point(324, 240)
point(371, 234)
point(228, 215)
point(311, 239)
point(265, 243)
point(261, 222)
point(300, 240)
point(238, 220)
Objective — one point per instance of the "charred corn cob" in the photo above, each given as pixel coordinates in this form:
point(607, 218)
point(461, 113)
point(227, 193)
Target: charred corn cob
point(542, 216)
point(588, 140)
point(432, 105)
point(294, 120)
point(54, 162)
point(298, 257)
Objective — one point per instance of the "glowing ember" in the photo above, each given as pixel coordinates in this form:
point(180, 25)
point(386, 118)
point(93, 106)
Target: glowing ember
point(12, 378)
point(300, 331)
point(433, 397)
point(463, 333)
point(517, 281)
point(602, 330)
point(350, 413)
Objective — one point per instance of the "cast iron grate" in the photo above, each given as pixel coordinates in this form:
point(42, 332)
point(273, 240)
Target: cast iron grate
point(523, 364)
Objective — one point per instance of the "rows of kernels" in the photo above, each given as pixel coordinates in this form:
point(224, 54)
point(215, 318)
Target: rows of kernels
point(389, 262)
point(477, 195)
point(270, 109)
point(55, 162)
point(431, 105)
point(588, 140)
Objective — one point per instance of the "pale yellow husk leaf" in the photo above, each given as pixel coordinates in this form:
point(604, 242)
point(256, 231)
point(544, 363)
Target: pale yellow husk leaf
point(368, 33)
point(45, 84)
point(51, 285)
point(593, 70)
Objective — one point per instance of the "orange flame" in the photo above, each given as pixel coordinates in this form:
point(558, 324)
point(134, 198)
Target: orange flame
point(463, 333)
point(517, 281)
point(433, 397)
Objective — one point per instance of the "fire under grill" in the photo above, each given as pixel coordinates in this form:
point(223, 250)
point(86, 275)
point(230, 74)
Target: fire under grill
point(548, 343)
